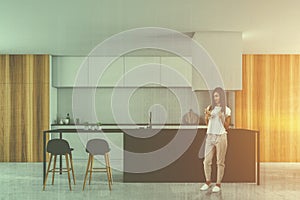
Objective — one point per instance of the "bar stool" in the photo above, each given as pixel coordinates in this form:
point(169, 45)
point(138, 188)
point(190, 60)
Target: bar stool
point(59, 147)
point(98, 147)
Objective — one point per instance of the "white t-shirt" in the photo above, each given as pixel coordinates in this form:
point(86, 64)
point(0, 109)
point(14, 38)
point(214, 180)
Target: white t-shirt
point(215, 124)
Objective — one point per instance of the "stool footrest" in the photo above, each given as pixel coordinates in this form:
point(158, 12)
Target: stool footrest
point(60, 170)
point(98, 170)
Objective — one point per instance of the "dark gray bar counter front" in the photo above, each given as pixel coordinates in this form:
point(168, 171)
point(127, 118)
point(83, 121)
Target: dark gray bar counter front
point(241, 165)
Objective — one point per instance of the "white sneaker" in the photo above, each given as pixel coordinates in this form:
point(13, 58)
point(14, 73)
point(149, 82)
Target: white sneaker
point(205, 187)
point(216, 189)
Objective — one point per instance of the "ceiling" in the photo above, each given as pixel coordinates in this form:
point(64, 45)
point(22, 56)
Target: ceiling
point(74, 27)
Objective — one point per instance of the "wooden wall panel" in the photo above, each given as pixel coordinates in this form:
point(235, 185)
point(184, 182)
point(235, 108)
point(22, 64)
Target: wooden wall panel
point(270, 102)
point(15, 130)
point(25, 108)
point(40, 73)
point(4, 69)
point(3, 111)
point(17, 69)
point(41, 114)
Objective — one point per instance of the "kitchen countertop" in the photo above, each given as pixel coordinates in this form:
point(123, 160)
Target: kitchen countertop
point(130, 126)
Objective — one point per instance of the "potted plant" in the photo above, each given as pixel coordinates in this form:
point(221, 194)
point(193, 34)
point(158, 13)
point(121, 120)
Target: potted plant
point(99, 125)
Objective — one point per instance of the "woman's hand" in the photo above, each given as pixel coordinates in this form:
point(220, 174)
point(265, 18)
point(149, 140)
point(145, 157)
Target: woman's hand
point(227, 122)
point(222, 117)
point(220, 114)
point(207, 115)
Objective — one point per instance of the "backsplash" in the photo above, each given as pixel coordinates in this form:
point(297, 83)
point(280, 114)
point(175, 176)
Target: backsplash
point(167, 105)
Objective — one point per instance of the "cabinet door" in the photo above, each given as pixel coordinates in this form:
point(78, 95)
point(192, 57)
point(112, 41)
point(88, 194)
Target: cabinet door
point(142, 71)
point(176, 72)
point(69, 72)
point(224, 48)
point(198, 81)
point(106, 71)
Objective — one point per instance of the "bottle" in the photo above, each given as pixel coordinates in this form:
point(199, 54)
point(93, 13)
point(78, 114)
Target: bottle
point(68, 119)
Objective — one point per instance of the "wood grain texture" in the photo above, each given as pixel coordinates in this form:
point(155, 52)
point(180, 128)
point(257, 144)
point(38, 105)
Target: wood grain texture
point(4, 68)
point(24, 106)
point(270, 102)
point(40, 73)
point(3, 118)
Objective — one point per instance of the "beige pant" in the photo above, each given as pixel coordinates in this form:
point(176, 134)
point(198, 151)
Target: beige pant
point(215, 143)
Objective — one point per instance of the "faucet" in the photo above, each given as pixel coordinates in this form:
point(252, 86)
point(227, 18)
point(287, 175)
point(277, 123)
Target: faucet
point(150, 120)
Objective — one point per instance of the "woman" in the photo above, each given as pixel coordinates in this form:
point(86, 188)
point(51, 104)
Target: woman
point(217, 118)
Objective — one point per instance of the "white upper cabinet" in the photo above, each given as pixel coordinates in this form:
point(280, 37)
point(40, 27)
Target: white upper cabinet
point(69, 72)
point(225, 49)
point(87, 71)
point(106, 71)
point(142, 71)
point(223, 58)
point(198, 82)
point(176, 72)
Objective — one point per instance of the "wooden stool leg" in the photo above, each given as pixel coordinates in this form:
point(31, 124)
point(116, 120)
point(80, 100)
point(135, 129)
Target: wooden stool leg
point(72, 168)
point(86, 172)
point(68, 170)
point(107, 170)
point(48, 168)
point(110, 172)
point(91, 168)
point(54, 166)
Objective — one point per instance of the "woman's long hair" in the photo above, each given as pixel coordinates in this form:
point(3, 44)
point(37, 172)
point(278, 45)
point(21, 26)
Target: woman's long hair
point(222, 94)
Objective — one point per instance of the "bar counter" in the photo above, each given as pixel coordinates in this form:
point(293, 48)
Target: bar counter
point(174, 155)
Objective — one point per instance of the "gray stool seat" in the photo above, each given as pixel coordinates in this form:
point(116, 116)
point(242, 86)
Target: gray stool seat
point(98, 147)
point(59, 147)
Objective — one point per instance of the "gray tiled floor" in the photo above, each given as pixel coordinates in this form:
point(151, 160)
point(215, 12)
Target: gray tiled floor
point(23, 181)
